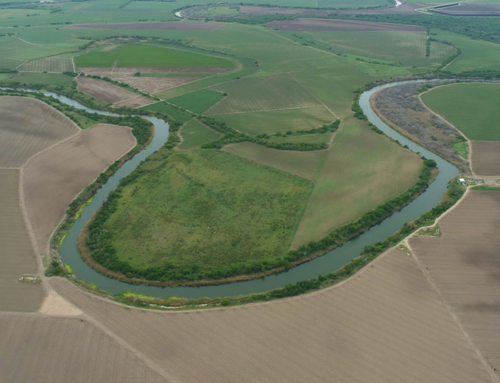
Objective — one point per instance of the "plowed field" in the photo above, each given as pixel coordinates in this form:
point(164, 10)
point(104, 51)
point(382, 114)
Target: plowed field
point(55, 177)
point(486, 158)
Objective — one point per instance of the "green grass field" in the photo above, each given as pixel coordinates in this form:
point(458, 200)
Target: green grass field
point(147, 56)
point(198, 101)
point(471, 108)
point(361, 171)
point(263, 93)
point(195, 134)
point(168, 110)
point(51, 79)
point(462, 148)
point(6, 63)
point(220, 211)
point(275, 121)
point(48, 64)
point(303, 164)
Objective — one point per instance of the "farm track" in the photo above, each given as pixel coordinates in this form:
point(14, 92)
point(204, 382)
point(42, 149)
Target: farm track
point(383, 325)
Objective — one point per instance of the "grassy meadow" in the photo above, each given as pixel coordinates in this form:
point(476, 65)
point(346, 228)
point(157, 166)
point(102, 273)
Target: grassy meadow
point(198, 101)
point(164, 108)
point(195, 134)
point(471, 108)
point(219, 212)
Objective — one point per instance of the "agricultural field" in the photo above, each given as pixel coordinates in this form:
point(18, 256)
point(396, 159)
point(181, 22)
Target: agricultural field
point(163, 107)
point(486, 158)
point(464, 265)
point(311, 24)
point(147, 56)
point(195, 134)
point(235, 218)
point(361, 171)
point(272, 122)
point(115, 94)
point(55, 177)
point(29, 126)
point(41, 79)
point(17, 255)
point(471, 108)
point(261, 94)
point(342, 332)
point(48, 64)
point(198, 101)
point(98, 358)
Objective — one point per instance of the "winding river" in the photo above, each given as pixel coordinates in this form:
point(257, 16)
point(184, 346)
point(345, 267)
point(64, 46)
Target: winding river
point(319, 266)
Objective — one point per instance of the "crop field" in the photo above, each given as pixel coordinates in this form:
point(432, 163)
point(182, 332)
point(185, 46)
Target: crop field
point(471, 108)
point(168, 110)
point(198, 101)
point(6, 63)
point(13, 48)
point(470, 10)
point(465, 263)
point(405, 47)
point(262, 93)
point(51, 79)
point(48, 64)
point(234, 218)
point(361, 171)
point(16, 254)
point(55, 177)
point(167, 25)
point(52, 349)
point(105, 91)
point(147, 56)
point(195, 134)
point(311, 24)
point(486, 158)
point(385, 324)
point(271, 122)
point(302, 164)
point(27, 127)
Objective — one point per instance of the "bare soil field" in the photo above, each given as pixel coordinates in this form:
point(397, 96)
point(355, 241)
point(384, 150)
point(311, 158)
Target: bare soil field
point(55, 177)
point(37, 348)
point(341, 25)
point(108, 92)
point(17, 256)
point(486, 158)
point(385, 324)
point(28, 126)
point(470, 10)
point(165, 25)
point(131, 71)
point(465, 265)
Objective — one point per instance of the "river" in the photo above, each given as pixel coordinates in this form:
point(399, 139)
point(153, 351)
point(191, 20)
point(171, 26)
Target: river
point(319, 266)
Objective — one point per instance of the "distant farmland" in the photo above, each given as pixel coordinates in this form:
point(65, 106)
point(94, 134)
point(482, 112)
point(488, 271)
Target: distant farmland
point(48, 64)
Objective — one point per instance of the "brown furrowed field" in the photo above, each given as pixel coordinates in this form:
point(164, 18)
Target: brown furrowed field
point(385, 324)
point(37, 348)
point(341, 25)
point(16, 253)
point(166, 25)
point(108, 92)
point(465, 266)
point(470, 10)
point(28, 126)
point(486, 158)
point(55, 177)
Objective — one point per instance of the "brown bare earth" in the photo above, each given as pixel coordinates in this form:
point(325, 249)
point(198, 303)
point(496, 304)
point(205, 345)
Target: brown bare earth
point(55, 177)
point(16, 253)
point(465, 265)
point(385, 324)
point(486, 158)
point(37, 348)
point(166, 25)
point(105, 91)
point(340, 25)
point(470, 10)
point(28, 126)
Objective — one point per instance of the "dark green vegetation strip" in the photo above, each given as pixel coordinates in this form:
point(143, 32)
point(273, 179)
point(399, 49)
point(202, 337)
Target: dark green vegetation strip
point(486, 187)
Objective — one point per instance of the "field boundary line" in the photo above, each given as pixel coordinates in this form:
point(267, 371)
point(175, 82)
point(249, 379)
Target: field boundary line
point(27, 42)
point(31, 234)
point(312, 94)
point(444, 301)
point(73, 63)
point(266, 110)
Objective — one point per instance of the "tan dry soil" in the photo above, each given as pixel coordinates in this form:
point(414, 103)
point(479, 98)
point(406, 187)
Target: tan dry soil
point(105, 91)
point(55, 177)
point(29, 126)
point(37, 348)
point(16, 252)
point(385, 324)
point(486, 158)
point(56, 305)
point(465, 265)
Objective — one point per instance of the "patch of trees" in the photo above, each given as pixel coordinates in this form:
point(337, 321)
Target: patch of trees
point(326, 128)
